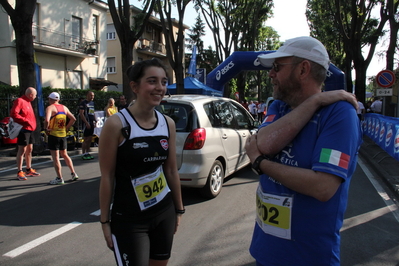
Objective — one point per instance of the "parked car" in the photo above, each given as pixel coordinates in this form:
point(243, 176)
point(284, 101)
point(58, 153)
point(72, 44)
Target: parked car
point(268, 103)
point(210, 139)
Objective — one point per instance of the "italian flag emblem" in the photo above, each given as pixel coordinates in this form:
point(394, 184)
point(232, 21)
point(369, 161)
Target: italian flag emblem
point(269, 118)
point(334, 157)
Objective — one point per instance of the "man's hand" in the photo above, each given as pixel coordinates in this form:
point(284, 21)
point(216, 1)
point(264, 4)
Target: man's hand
point(251, 148)
point(329, 97)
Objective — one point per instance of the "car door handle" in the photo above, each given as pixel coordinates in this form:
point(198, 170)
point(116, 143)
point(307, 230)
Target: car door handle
point(224, 136)
point(244, 135)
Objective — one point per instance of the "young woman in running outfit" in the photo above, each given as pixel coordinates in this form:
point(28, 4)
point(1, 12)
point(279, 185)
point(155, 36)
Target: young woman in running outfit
point(138, 167)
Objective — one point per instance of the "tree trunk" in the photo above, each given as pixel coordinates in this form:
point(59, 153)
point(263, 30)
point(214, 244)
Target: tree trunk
point(127, 58)
point(390, 105)
point(360, 82)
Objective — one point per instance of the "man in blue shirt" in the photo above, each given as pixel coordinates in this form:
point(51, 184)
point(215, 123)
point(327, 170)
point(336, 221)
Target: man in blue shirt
point(306, 153)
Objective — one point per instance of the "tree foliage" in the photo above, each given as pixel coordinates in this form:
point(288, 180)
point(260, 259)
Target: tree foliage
point(206, 58)
point(354, 28)
point(175, 44)
point(128, 33)
point(22, 18)
point(232, 29)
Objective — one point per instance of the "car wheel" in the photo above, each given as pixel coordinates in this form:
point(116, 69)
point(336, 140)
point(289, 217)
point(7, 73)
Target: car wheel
point(215, 181)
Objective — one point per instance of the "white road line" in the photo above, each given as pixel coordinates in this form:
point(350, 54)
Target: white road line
point(388, 201)
point(41, 240)
point(98, 212)
point(366, 217)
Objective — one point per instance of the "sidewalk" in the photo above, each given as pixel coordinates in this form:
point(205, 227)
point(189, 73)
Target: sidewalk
point(385, 166)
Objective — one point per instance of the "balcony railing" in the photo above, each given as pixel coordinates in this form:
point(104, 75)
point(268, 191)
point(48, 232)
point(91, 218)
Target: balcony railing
point(151, 46)
point(48, 37)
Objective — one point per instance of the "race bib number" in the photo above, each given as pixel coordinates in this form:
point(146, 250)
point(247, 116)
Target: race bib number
point(150, 189)
point(273, 214)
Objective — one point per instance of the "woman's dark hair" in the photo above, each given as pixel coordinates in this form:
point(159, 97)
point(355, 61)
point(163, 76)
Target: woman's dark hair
point(136, 72)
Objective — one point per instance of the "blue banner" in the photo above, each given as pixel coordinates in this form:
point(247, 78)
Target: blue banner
point(384, 131)
point(40, 101)
point(193, 63)
point(200, 75)
point(242, 61)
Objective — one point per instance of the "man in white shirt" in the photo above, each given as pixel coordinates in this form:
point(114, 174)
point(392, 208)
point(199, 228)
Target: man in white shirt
point(252, 109)
point(376, 106)
point(360, 110)
point(261, 110)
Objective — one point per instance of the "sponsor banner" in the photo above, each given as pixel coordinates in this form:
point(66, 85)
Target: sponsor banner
point(384, 131)
point(100, 118)
point(396, 143)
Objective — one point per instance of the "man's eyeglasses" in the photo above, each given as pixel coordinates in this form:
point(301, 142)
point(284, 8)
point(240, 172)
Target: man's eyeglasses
point(276, 66)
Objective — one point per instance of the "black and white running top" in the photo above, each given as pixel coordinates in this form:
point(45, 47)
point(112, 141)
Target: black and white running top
point(141, 190)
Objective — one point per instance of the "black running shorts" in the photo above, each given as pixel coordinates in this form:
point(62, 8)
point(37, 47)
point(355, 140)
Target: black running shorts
point(25, 138)
point(136, 243)
point(56, 143)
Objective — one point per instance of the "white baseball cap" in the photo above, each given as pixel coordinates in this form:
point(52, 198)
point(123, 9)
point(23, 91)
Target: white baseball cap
point(54, 96)
point(304, 47)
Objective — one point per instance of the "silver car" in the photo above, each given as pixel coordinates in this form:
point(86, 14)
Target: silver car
point(210, 139)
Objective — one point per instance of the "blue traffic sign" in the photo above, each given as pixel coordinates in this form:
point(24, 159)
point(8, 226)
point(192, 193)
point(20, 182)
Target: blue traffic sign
point(385, 78)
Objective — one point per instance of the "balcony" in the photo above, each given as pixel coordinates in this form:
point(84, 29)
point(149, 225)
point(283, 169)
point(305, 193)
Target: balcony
point(52, 41)
point(151, 47)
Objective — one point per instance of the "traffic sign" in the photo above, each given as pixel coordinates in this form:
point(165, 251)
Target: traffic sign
point(385, 78)
point(384, 92)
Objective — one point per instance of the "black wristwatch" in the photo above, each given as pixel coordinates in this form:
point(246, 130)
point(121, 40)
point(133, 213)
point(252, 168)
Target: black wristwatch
point(256, 164)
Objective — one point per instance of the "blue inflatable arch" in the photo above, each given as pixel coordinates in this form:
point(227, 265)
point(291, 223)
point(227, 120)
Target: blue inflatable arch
point(241, 61)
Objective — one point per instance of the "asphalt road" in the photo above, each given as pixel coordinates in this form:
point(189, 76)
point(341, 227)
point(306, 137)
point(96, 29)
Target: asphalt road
point(42, 224)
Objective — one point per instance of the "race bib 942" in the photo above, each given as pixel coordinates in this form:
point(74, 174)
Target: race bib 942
point(150, 189)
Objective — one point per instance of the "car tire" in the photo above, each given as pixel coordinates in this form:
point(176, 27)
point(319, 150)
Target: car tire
point(214, 183)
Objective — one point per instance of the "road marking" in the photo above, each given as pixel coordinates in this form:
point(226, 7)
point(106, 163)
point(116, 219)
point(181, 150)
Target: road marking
point(388, 201)
point(41, 240)
point(366, 217)
point(98, 212)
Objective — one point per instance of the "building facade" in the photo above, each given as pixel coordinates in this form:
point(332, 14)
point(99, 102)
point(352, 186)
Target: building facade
point(69, 42)
point(151, 44)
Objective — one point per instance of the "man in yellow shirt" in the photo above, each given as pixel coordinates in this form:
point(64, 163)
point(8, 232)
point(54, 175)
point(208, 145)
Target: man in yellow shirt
point(56, 127)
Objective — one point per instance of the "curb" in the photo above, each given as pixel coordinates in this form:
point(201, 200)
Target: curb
point(386, 167)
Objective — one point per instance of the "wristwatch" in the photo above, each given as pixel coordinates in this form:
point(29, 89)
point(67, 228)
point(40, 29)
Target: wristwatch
point(256, 164)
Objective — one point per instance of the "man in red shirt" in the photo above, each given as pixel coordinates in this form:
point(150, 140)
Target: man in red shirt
point(22, 113)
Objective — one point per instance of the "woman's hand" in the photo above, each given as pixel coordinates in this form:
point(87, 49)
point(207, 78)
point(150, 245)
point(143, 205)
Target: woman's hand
point(178, 218)
point(107, 235)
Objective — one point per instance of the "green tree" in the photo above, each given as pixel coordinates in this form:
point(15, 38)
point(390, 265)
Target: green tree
point(355, 28)
point(206, 58)
point(393, 18)
point(268, 40)
point(231, 27)
point(195, 34)
point(22, 18)
point(128, 34)
point(175, 44)
point(259, 12)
